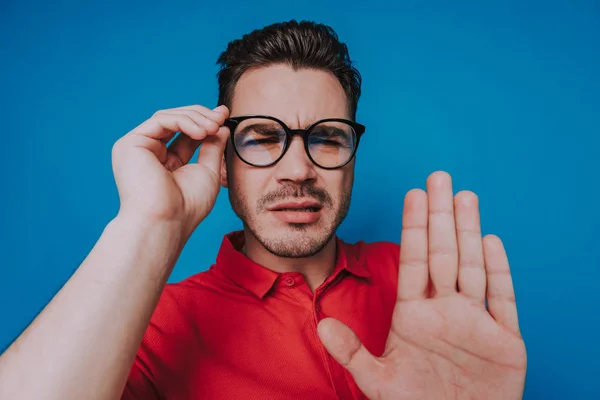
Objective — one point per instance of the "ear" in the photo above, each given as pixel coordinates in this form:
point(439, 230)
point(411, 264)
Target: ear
point(223, 176)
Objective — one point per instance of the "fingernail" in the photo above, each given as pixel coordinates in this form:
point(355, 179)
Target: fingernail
point(220, 109)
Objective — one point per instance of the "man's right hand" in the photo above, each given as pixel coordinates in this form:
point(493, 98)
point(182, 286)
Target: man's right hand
point(72, 349)
point(155, 182)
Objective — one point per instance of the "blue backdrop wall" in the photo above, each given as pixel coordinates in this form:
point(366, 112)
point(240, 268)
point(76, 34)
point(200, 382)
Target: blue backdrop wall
point(503, 95)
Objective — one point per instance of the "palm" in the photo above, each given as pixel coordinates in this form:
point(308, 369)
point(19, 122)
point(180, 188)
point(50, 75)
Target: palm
point(444, 343)
point(431, 345)
point(177, 185)
point(164, 189)
point(156, 184)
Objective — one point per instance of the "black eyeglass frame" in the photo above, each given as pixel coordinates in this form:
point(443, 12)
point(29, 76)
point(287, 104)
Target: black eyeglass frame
point(233, 122)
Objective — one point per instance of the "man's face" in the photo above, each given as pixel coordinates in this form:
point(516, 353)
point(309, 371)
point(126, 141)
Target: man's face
point(297, 98)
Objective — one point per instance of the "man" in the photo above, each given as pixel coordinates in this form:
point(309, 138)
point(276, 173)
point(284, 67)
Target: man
point(288, 310)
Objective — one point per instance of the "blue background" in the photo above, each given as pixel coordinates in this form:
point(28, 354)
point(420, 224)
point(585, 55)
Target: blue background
point(503, 95)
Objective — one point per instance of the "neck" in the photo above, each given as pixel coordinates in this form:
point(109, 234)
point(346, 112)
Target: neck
point(315, 268)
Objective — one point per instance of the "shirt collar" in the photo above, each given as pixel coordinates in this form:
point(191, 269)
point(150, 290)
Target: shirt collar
point(259, 279)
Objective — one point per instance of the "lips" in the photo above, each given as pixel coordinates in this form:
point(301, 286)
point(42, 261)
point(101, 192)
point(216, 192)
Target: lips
point(297, 212)
point(298, 206)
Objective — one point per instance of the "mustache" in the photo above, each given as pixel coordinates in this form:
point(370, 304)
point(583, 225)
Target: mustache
point(296, 191)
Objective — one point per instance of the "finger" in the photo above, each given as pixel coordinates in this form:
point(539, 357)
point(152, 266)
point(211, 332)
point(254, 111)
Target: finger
point(345, 347)
point(471, 270)
point(168, 138)
point(183, 148)
point(203, 121)
point(214, 114)
point(414, 274)
point(500, 290)
point(163, 125)
point(212, 149)
point(199, 113)
point(443, 249)
point(218, 114)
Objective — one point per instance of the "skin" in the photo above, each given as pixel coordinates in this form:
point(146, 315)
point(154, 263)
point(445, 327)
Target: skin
point(444, 342)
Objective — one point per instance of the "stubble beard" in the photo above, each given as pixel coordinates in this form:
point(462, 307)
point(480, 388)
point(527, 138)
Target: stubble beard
point(301, 240)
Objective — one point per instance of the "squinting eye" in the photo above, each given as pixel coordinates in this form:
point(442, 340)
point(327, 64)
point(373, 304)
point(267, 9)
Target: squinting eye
point(323, 140)
point(257, 142)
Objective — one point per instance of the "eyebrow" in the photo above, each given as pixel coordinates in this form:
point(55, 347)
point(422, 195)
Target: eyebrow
point(333, 130)
point(261, 128)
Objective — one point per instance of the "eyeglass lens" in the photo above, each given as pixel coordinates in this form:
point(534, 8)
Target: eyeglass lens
point(260, 141)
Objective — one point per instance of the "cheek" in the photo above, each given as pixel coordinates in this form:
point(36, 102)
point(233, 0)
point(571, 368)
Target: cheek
point(250, 184)
point(348, 181)
point(339, 186)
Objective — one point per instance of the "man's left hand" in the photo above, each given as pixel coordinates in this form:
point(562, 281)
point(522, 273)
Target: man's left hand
point(444, 343)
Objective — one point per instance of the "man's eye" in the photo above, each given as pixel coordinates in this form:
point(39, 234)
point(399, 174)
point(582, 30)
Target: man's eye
point(259, 142)
point(328, 139)
point(324, 140)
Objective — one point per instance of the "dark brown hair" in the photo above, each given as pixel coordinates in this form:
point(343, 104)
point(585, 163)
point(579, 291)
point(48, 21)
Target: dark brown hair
point(302, 44)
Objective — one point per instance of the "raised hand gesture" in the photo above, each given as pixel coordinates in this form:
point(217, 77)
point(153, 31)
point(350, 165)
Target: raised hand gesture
point(444, 342)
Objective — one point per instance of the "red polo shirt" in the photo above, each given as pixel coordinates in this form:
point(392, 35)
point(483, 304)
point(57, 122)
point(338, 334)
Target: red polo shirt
point(241, 331)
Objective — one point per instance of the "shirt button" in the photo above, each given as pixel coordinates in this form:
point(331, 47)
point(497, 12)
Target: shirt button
point(290, 281)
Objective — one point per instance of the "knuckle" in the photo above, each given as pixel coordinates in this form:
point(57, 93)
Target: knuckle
point(469, 237)
point(442, 252)
point(116, 147)
point(192, 126)
point(195, 109)
point(501, 297)
point(118, 150)
point(212, 125)
point(191, 120)
point(205, 120)
point(441, 213)
point(471, 263)
point(414, 227)
point(199, 108)
point(413, 262)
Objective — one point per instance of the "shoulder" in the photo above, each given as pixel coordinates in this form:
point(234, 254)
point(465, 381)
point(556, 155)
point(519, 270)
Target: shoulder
point(190, 297)
point(381, 258)
point(382, 252)
point(176, 322)
point(169, 334)
point(181, 305)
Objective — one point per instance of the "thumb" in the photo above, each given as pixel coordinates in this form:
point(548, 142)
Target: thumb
point(199, 188)
point(345, 347)
point(212, 149)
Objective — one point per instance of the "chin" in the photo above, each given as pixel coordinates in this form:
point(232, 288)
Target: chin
point(294, 240)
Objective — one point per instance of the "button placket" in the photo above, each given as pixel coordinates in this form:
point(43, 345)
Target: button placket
point(289, 281)
point(318, 310)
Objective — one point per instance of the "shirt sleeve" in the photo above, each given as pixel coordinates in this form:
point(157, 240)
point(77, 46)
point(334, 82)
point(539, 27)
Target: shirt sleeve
point(157, 350)
point(139, 385)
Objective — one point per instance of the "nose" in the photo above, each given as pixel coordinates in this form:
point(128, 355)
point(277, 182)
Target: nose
point(295, 166)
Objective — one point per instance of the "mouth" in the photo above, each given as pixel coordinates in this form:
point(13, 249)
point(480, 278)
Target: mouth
point(298, 206)
point(297, 212)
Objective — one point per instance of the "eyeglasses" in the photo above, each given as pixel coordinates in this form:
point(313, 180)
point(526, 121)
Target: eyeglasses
point(261, 141)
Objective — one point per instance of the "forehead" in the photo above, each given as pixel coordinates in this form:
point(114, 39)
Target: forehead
point(297, 97)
